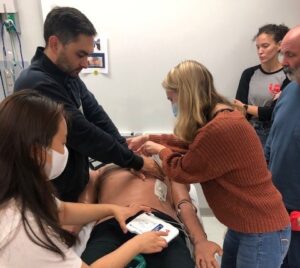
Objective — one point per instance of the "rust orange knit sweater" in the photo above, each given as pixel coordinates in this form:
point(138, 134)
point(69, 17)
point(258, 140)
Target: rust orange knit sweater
point(227, 158)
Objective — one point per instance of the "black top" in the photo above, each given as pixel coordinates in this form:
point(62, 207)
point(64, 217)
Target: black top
point(91, 133)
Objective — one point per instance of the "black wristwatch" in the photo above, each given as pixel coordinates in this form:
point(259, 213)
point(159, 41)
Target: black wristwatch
point(245, 107)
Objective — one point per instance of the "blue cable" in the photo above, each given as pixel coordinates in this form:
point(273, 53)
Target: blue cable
point(20, 44)
point(18, 37)
point(2, 37)
point(2, 83)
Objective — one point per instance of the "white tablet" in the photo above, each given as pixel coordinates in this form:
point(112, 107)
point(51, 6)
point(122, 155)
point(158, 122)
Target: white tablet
point(147, 222)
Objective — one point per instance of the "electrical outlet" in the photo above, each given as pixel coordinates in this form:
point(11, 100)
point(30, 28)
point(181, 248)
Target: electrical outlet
point(9, 25)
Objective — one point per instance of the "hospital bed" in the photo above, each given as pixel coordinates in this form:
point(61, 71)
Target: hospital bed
point(87, 229)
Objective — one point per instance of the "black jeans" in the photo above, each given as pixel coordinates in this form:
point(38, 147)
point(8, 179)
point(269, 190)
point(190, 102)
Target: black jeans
point(262, 129)
point(108, 236)
point(292, 259)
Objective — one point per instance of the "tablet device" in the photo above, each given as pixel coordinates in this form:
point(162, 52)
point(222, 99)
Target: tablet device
point(147, 222)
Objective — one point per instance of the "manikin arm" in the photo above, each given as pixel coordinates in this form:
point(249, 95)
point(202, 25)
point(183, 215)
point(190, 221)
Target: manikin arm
point(204, 250)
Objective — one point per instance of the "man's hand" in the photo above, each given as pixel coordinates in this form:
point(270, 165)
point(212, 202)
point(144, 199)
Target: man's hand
point(205, 251)
point(123, 213)
point(151, 168)
point(150, 148)
point(136, 142)
point(139, 174)
point(298, 221)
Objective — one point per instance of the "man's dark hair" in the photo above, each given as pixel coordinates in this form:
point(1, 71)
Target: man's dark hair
point(67, 24)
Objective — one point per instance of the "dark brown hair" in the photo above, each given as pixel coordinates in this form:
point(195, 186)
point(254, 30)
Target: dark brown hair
point(28, 123)
point(276, 31)
point(67, 23)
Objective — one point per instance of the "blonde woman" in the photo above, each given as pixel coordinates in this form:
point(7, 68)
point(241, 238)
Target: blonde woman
point(224, 155)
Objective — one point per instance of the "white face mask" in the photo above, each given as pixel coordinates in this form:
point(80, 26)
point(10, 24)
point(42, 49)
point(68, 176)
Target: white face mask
point(59, 162)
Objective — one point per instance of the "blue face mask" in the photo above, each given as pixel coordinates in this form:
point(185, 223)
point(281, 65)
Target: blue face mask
point(175, 109)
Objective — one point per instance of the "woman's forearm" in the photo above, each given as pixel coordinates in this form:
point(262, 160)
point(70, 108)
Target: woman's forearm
point(79, 214)
point(253, 110)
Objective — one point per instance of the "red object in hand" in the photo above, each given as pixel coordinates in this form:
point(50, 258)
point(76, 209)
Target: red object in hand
point(294, 222)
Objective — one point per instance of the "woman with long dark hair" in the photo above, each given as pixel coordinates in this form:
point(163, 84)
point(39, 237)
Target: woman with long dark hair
point(33, 133)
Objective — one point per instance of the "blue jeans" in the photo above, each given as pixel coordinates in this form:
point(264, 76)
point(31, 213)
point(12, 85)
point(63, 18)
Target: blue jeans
point(262, 129)
point(292, 258)
point(250, 250)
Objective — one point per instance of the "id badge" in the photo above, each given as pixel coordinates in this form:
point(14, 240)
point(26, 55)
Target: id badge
point(160, 190)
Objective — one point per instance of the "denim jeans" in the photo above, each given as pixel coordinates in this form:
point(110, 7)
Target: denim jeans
point(262, 129)
point(255, 250)
point(292, 258)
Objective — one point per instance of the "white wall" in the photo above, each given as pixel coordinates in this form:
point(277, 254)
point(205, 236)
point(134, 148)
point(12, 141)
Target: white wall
point(147, 38)
point(31, 24)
